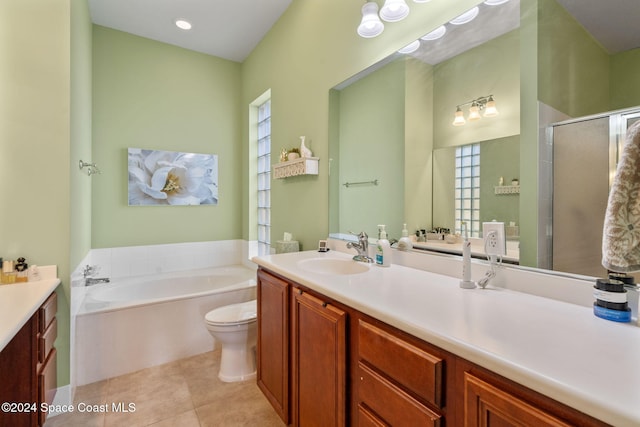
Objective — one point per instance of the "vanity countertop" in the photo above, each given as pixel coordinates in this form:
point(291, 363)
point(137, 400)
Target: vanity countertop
point(18, 302)
point(556, 348)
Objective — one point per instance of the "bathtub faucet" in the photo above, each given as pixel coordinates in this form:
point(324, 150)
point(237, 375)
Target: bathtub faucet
point(89, 271)
point(88, 281)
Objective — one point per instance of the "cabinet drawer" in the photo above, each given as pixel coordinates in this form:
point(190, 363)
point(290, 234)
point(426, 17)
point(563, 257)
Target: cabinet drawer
point(390, 403)
point(47, 312)
point(46, 340)
point(47, 382)
point(412, 367)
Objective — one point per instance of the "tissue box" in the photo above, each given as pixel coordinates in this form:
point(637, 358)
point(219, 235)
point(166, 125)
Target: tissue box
point(285, 246)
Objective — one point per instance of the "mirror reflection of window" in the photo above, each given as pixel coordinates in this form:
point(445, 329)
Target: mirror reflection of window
point(467, 190)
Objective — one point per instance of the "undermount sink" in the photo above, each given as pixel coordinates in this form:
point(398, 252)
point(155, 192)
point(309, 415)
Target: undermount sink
point(333, 266)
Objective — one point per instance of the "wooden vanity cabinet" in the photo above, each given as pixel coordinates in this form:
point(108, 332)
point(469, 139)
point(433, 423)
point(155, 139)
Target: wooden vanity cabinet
point(318, 361)
point(273, 342)
point(489, 400)
point(28, 368)
point(324, 364)
point(399, 380)
point(301, 356)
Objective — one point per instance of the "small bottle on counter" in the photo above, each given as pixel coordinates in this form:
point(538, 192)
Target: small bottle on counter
point(22, 275)
point(8, 273)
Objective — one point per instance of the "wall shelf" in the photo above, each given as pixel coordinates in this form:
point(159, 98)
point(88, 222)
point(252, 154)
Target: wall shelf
point(301, 166)
point(507, 189)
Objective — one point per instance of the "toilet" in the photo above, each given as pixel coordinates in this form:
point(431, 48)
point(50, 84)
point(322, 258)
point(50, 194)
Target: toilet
point(234, 326)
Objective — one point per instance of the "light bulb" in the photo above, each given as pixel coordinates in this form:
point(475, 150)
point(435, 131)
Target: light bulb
point(394, 10)
point(411, 47)
point(459, 118)
point(466, 17)
point(370, 26)
point(435, 34)
point(490, 109)
point(474, 112)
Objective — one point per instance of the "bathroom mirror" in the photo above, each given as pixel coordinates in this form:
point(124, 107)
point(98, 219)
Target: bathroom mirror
point(392, 143)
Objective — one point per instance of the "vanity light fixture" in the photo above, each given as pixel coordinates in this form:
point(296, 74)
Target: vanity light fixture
point(483, 103)
point(183, 24)
point(371, 25)
point(391, 11)
point(394, 10)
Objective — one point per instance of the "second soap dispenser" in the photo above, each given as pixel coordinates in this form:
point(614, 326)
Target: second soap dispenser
point(383, 248)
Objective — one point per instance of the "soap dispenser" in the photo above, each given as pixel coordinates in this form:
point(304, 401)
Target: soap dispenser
point(383, 251)
point(405, 242)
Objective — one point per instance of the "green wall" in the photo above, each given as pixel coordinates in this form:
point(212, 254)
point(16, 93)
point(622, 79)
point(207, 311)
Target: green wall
point(372, 148)
point(153, 95)
point(300, 60)
point(492, 68)
point(573, 69)
point(499, 158)
point(35, 143)
point(625, 79)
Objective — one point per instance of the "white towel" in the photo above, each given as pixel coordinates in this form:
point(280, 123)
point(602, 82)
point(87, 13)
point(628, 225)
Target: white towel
point(621, 234)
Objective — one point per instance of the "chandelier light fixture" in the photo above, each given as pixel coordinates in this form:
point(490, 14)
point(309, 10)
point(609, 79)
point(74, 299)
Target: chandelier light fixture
point(482, 103)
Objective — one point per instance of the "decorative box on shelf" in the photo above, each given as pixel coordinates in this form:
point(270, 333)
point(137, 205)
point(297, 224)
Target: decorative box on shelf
point(301, 166)
point(507, 189)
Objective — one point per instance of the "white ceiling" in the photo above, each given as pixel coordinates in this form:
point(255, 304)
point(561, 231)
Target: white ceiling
point(231, 29)
point(228, 29)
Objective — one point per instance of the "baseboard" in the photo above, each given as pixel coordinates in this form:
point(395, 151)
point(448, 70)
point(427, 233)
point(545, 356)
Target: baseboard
point(63, 399)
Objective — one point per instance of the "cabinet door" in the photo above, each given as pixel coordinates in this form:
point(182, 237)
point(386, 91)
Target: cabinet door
point(318, 362)
point(487, 406)
point(273, 342)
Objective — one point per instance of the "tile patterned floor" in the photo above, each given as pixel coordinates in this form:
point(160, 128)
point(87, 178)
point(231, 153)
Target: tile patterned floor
point(184, 393)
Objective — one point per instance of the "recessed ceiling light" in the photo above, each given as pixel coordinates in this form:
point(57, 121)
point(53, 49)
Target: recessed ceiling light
point(182, 24)
point(495, 2)
point(468, 16)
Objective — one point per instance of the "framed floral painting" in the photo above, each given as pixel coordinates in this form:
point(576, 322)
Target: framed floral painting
point(172, 178)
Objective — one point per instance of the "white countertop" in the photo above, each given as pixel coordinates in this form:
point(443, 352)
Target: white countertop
point(18, 302)
point(556, 348)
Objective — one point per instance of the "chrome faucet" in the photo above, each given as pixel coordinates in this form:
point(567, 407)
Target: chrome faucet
point(89, 271)
point(362, 247)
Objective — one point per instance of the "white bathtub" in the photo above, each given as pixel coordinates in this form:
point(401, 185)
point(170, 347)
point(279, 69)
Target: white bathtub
point(134, 323)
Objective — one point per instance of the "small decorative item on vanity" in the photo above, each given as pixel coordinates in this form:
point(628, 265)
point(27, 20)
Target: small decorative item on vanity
point(611, 300)
point(304, 151)
point(515, 181)
point(21, 270)
point(8, 273)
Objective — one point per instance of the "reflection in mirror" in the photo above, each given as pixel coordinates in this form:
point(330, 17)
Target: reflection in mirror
point(392, 123)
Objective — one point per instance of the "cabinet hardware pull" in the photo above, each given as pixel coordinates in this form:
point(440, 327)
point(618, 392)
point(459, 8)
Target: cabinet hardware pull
point(300, 292)
point(324, 304)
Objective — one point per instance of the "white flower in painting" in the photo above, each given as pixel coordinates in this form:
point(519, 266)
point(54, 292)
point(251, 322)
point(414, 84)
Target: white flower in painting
point(172, 178)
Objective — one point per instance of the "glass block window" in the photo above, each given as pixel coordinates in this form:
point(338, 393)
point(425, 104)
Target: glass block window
point(264, 178)
point(467, 189)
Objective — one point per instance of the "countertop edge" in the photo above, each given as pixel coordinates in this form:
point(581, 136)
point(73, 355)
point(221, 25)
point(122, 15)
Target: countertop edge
point(18, 302)
point(602, 409)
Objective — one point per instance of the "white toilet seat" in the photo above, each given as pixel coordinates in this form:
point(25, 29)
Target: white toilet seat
point(234, 314)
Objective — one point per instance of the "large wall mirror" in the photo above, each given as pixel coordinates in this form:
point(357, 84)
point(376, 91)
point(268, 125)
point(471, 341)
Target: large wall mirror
point(394, 150)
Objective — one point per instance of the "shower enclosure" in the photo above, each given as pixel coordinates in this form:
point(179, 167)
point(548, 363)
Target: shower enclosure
point(585, 155)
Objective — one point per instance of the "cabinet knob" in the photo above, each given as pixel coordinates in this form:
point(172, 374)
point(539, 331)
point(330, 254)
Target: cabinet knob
point(300, 292)
point(324, 304)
